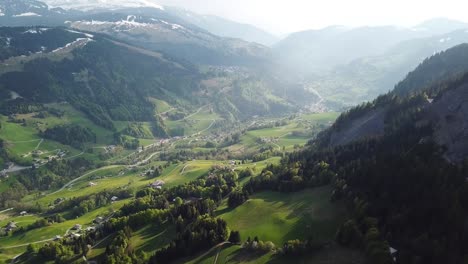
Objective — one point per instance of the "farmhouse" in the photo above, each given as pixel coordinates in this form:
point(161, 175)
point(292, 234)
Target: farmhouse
point(23, 213)
point(98, 220)
point(77, 227)
point(91, 184)
point(114, 198)
point(157, 184)
point(11, 226)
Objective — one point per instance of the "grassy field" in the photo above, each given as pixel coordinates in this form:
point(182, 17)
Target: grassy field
point(198, 122)
point(151, 238)
point(46, 233)
point(271, 216)
point(231, 254)
point(284, 137)
point(21, 139)
point(279, 217)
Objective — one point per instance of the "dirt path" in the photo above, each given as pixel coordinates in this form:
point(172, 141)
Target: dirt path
point(219, 247)
point(77, 155)
point(39, 144)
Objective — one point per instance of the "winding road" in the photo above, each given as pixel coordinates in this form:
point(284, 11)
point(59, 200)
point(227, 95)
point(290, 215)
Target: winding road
point(82, 176)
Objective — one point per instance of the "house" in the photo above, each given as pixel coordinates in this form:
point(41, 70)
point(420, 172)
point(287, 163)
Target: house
point(76, 227)
point(11, 226)
point(75, 235)
point(157, 184)
point(91, 184)
point(98, 220)
point(23, 213)
point(57, 237)
point(90, 229)
point(114, 198)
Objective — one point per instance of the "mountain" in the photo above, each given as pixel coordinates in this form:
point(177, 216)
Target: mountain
point(435, 93)
point(365, 78)
point(213, 24)
point(321, 50)
point(110, 80)
point(86, 5)
point(441, 25)
point(32, 12)
point(400, 163)
point(225, 28)
point(141, 23)
point(160, 31)
point(318, 51)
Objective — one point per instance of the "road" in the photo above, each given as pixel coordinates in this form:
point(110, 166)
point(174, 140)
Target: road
point(213, 248)
point(198, 111)
point(6, 210)
point(26, 244)
point(16, 168)
point(82, 176)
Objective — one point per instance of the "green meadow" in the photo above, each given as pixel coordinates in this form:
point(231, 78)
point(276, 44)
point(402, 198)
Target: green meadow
point(279, 217)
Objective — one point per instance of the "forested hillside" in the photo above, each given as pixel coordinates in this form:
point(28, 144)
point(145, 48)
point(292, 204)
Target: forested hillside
point(406, 183)
point(112, 81)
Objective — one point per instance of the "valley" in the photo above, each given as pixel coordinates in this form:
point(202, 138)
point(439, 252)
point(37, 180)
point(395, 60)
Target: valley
point(133, 132)
point(128, 170)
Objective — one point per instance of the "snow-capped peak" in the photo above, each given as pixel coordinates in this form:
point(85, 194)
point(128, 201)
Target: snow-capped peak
point(102, 4)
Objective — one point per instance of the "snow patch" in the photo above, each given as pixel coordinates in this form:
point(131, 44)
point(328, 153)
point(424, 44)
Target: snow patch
point(77, 41)
point(27, 14)
point(35, 30)
point(174, 26)
point(87, 5)
point(77, 32)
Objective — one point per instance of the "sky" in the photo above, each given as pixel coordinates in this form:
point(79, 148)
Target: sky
point(282, 17)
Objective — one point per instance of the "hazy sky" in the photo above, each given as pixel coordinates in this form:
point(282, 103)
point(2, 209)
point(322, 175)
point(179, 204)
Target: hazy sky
point(278, 16)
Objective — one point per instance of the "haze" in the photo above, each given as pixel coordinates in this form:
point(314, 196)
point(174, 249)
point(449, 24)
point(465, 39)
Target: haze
point(282, 17)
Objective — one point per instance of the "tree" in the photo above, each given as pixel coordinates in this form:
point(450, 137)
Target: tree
point(235, 237)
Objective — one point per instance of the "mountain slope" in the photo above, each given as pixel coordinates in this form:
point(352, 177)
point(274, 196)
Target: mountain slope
point(32, 13)
point(87, 5)
point(365, 78)
point(316, 51)
point(401, 166)
point(321, 50)
point(113, 81)
point(435, 92)
point(159, 31)
point(225, 28)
